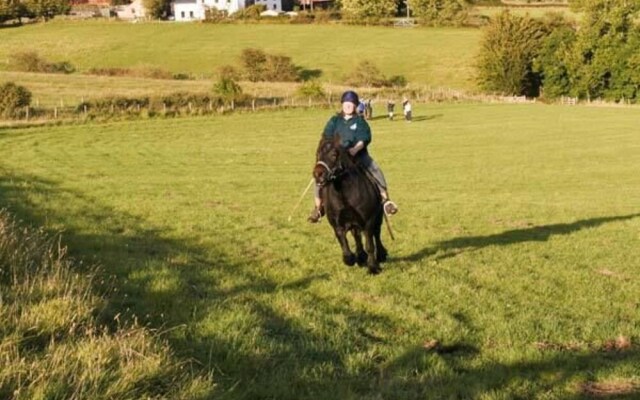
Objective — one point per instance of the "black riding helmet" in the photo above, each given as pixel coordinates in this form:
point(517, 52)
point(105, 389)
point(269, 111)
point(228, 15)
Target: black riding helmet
point(351, 97)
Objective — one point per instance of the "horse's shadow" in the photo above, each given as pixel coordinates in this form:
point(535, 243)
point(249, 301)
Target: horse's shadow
point(452, 247)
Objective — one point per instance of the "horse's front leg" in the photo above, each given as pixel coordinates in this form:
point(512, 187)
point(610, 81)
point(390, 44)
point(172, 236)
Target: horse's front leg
point(347, 256)
point(372, 261)
point(360, 253)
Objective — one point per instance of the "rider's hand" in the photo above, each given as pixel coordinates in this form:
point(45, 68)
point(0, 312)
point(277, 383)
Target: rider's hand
point(355, 149)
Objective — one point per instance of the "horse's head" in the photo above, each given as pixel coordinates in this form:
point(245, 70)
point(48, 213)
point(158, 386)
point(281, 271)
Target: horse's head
point(329, 161)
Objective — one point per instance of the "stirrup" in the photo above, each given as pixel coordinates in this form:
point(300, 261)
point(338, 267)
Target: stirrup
point(389, 207)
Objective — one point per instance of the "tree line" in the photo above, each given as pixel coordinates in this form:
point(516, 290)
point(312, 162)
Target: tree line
point(42, 9)
point(596, 58)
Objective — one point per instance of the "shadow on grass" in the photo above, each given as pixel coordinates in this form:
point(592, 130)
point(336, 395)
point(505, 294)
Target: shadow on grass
point(453, 247)
point(276, 356)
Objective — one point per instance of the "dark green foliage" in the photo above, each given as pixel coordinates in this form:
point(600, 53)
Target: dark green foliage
point(13, 98)
point(441, 12)
point(551, 65)
point(509, 47)
point(9, 9)
point(599, 60)
point(45, 9)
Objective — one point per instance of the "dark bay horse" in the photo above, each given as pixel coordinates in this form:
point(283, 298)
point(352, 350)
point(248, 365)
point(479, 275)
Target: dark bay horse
point(352, 203)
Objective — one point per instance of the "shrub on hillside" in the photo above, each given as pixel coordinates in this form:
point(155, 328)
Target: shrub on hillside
point(227, 89)
point(366, 74)
point(144, 71)
point(30, 61)
point(312, 90)
point(251, 12)
point(441, 12)
point(12, 99)
point(260, 66)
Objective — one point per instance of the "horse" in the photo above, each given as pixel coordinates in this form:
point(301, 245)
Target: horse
point(352, 203)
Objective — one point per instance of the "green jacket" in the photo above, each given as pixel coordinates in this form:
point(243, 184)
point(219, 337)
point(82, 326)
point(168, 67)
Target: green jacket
point(351, 131)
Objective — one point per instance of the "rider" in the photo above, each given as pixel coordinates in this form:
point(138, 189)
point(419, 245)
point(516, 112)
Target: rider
point(355, 136)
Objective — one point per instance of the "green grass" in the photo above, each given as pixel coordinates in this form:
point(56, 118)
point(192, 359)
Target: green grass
point(437, 56)
point(516, 248)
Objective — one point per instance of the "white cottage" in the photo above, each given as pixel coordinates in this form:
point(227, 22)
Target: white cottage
point(194, 10)
point(133, 11)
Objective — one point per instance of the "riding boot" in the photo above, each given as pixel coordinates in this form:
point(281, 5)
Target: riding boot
point(316, 214)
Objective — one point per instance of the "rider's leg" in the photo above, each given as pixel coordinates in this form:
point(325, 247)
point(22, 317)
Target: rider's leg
point(318, 210)
point(374, 170)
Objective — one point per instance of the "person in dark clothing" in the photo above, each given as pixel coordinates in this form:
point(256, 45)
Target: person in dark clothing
point(355, 136)
point(390, 106)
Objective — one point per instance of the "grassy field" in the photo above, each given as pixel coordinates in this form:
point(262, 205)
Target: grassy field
point(514, 272)
point(438, 56)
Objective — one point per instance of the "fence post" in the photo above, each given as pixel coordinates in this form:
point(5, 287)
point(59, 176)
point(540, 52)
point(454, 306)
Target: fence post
point(253, 104)
point(55, 112)
point(164, 108)
point(27, 113)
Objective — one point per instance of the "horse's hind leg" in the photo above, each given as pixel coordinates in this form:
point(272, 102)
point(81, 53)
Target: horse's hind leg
point(347, 256)
point(372, 262)
point(360, 253)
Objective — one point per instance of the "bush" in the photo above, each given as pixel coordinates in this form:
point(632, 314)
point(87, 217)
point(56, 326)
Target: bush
point(398, 81)
point(366, 74)
point(13, 98)
point(260, 66)
point(30, 61)
point(441, 12)
point(251, 12)
point(138, 72)
point(227, 89)
point(311, 89)
point(214, 15)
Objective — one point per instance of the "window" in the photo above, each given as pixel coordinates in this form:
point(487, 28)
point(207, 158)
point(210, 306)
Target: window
point(274, 7)
point(182, 14)
point(190, 14)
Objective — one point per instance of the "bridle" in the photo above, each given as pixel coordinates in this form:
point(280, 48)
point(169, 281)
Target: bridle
point(332, 173)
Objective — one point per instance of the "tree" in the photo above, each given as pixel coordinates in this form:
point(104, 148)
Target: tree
point(13, 98)
point(9, 9)
point(45, 9)
point(157, 9)
point(551, 65)
point(368, 9)
point(601, 61)
point(441, 12)
point(227, 89)
point(508, 49)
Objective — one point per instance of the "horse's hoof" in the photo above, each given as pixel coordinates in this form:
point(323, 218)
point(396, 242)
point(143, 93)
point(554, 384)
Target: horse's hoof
point(375, 270)
point(362, 259)
point(349, 260)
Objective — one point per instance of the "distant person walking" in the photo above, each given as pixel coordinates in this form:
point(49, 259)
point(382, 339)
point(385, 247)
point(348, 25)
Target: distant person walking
point(406, 107)
point(390, 106)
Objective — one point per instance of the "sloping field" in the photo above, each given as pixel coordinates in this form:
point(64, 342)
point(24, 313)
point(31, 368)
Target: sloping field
point(437, 56)
point(514, 272)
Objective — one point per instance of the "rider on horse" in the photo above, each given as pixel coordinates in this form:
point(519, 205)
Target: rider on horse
point(355, 136)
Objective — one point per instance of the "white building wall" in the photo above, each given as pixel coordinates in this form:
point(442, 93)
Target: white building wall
point(274, 5)
point(189, 10)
